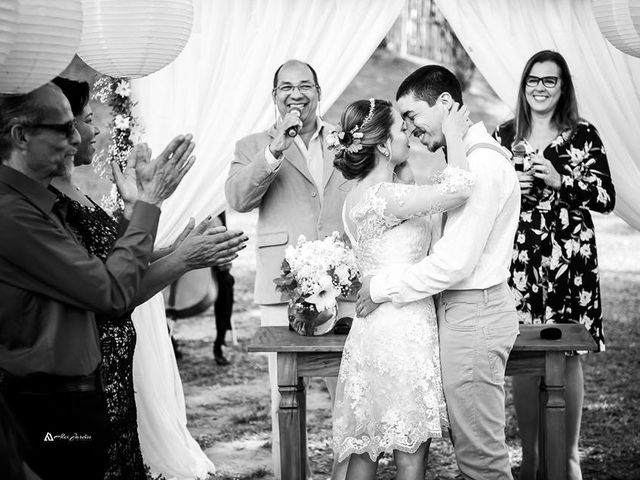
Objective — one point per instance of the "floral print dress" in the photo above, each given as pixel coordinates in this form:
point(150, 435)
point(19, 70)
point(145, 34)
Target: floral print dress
point(97, 232)
point(554, 269)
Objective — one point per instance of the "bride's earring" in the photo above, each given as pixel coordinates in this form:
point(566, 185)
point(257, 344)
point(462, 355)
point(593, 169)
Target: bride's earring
point(389, 154)
point(389, 166)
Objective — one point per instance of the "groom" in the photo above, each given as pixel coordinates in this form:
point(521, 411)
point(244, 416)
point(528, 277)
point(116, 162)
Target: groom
point(469, 265)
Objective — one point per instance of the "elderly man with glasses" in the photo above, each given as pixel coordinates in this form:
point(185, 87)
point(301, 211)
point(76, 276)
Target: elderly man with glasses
point(51, 288)
point(287, 173)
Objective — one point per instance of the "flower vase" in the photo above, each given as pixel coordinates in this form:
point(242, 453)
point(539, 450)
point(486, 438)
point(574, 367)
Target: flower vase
point(305, 319)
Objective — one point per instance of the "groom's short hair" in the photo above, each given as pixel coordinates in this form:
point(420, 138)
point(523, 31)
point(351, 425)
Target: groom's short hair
point(429, 82)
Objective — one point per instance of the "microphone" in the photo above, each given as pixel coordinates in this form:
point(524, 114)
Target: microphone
point(292, 131)
point(519, 153)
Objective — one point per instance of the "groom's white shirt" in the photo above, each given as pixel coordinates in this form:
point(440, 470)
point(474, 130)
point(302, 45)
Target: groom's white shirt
point(475, 249)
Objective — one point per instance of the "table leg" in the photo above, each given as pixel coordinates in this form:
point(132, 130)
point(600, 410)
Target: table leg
point(291, 418)
point(552, 447)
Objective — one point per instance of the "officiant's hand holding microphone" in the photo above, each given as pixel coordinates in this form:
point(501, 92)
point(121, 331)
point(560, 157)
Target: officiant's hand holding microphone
point(286, 131)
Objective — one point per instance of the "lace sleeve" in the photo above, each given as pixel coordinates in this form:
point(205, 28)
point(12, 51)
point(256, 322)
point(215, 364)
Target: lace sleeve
point(388, 204)
point(371, 216)
point(409, 201)
point(400, 202)
point(454, 179)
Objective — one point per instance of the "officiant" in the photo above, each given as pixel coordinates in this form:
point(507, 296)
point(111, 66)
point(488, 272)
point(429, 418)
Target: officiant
point(287, 173)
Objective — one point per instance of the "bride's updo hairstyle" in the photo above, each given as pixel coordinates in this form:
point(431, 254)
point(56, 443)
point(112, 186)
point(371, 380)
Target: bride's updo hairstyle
point(363, 125)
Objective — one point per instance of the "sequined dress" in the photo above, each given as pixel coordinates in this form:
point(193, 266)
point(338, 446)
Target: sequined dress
point(97, 231)
point(389, 394)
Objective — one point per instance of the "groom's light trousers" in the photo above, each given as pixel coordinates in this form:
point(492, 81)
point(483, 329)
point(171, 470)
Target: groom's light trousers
point(477, 331)
point(276, 315)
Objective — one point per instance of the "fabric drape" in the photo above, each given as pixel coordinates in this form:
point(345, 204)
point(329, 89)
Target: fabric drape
point(166, 444)
point(501, 35)
point(219, 89)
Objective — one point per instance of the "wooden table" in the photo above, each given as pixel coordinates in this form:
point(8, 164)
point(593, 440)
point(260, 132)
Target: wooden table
point(300, 356)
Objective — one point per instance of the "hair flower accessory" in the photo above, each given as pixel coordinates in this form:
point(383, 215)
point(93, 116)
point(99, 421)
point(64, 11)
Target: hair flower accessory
point(350, 141)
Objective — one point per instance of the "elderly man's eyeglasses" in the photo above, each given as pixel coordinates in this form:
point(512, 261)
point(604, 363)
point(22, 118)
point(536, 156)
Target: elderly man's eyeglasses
point(533, 81)
point(302, 88)
point(67, 128)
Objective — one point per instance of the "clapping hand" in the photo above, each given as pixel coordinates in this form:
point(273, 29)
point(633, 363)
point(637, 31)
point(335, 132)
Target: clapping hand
point(210, 244)
point(126, 182)
point(161, 252)
point(158, 179)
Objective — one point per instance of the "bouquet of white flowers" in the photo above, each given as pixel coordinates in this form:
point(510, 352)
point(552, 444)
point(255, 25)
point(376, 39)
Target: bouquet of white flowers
point(318, 272)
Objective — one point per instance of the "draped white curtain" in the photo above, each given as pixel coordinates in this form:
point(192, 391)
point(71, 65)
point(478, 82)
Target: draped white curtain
point(501, 35)
point(219, 88)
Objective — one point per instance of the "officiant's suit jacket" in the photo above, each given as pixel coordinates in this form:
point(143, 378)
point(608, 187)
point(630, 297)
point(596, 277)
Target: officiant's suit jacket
point(287, 200)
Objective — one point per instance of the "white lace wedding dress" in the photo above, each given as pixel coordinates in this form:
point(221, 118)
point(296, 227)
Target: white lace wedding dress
point(389, 395)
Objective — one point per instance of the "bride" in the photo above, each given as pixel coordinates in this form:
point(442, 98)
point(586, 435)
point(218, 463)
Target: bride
point(389, 396)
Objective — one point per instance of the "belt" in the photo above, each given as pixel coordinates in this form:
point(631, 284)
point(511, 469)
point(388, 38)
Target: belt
point(44, 383)
point(480, 295)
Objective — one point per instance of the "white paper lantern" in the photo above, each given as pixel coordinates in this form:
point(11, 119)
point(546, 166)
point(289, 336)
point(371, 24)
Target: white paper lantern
point(617, 24)
point(8, 24)
point(46, 38)
point(134, 38)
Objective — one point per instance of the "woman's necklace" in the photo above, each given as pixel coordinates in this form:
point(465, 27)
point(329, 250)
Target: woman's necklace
point(540, 140)
point(73, 192)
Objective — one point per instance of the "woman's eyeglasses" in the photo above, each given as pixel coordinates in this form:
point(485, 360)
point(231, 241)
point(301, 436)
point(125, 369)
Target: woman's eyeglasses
point(533, 81)
point(68, 128)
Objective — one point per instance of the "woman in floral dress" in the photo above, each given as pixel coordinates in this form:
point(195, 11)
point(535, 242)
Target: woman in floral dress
point(554, 271)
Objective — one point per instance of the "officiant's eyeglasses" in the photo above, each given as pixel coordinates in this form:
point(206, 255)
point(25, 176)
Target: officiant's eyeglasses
point(67, 128)
point(533, 81)
point(302, 88)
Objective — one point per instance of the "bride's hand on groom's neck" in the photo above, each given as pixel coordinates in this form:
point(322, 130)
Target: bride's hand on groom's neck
point(455, 121)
